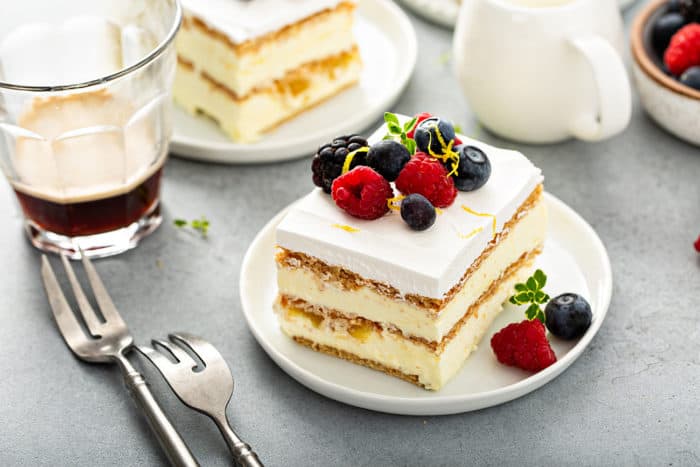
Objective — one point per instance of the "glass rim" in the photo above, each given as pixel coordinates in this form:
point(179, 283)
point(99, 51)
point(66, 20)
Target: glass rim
point(154, 54)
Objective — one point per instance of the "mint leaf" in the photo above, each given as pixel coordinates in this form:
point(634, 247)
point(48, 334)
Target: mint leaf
point(391, 118)
point(201, 225)
point(532, 312)
point(410, 145)
point(541, 278)
point(388, 136)
point(522, 297)
point(394, 128)
point(531, 284)
point(539, 296)
point(531, 292)
point(408, 126)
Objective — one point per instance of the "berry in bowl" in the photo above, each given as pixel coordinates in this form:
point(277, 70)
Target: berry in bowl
point(666, 50)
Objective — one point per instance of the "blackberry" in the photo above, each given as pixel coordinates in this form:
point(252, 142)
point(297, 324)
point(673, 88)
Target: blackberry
point(690, 9)
point(328, 161)
point(388, 158)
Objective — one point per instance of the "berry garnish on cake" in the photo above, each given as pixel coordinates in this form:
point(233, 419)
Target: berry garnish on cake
point(327, 164)
point(427, 176)
point(568, 316)
point(525, 345)
point(362, 193)
point(418, 212)
point(435, 167)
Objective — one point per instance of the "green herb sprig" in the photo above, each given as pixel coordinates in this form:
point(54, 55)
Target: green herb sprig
point(531, 292)
point(398, 132)
point(201, 225)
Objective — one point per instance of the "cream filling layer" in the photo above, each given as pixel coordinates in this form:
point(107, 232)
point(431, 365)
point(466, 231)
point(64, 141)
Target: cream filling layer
point(433, 369)
point(526, 235)
point(245, 120)
point(242, 73)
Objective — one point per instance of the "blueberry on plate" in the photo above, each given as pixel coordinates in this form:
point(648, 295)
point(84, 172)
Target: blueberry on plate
point(388, 157)
point(568, 316)
point(664, 28)
point(474, 168)
point(433, 135)
point(418, 212)
point(691, 77)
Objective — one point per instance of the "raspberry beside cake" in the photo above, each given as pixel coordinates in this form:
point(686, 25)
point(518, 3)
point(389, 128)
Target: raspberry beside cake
point(251, 65)
point(412, 304)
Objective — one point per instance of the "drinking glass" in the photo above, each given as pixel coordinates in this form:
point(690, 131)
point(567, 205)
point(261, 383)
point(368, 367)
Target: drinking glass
point(85, 118)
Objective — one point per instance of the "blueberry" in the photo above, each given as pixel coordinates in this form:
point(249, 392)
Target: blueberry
point(433, 135)
point(568, 316)
point(418, 212)
point(388, 158)
point(474, 168)
point(691, 77)
point(673, 6)
point(664, 28)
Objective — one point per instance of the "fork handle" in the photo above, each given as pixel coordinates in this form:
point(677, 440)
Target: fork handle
point(243, 454)
point(170, 440)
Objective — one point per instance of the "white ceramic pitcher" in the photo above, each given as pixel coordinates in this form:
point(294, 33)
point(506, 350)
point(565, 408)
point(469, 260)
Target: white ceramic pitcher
point(542, 71)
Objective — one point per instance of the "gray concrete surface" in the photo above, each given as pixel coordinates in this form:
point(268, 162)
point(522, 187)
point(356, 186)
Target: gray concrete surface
point(631, 399)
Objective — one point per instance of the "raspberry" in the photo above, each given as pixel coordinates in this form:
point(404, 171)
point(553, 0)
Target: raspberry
point(523, 345)
point(428, 177)
point(684, 50)
point(697, 245)
point(419, 118)
point(362, 193)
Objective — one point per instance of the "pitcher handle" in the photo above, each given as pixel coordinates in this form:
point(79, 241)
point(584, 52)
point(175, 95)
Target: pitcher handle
point(611, 113)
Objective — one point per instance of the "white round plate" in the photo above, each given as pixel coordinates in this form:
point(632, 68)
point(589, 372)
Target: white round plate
point(444, 12)
point(574, 259)
point(389, 51)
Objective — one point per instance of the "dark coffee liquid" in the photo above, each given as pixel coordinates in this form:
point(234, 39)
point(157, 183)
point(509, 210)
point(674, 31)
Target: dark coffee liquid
point(95, 216)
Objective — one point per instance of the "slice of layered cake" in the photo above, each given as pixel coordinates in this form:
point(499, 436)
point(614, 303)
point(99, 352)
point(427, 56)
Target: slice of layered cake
point(407, 262)
point(251, 65)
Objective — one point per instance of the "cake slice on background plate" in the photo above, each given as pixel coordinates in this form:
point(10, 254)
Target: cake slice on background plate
point(396, 269)
point(251, 65)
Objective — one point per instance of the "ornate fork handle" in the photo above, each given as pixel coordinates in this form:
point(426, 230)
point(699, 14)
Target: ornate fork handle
point(174, 446)
point(243, 454)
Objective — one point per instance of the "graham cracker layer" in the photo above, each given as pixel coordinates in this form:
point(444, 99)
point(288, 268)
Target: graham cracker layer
point(358, 360)
point(322, 313)
point(294, 82)
point(253, 45)
point(349, 280)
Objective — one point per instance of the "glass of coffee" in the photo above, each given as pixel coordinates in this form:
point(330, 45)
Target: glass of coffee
point(85, 118)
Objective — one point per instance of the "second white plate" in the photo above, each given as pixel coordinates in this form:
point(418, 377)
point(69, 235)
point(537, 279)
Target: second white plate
point(388, 48)
point(444, 12)
point(574, 259)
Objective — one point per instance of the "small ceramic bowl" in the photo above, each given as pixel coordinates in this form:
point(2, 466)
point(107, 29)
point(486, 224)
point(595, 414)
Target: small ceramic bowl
point(674, 106)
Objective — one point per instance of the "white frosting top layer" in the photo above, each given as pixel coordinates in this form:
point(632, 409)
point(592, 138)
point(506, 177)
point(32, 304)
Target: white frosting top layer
point(243, 20)
point(425, 263)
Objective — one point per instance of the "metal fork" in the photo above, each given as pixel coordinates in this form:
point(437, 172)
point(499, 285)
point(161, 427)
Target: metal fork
point(206, 388)
point(108, 342)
